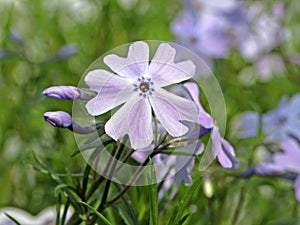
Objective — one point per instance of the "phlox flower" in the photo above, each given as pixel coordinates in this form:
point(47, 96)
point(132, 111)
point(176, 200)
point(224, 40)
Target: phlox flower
point(221, 148)
point(138, 85)
point(248, 124)
point(286, 161)
point(284, 121)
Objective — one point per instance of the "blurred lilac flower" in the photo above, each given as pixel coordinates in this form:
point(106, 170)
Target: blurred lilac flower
point(286, 161)
point(268, 65)
point(210, 28)
point(249, 125)
point(284, 121)
point(16, 37)
point(139, 84)
point(207, 35)
point(265, 34)
point(221, 149)
point(62, 119)
point(68, 92)
point(67, 50)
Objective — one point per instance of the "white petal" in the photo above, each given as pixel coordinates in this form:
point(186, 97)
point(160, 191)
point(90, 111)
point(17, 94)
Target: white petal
point(170, 110)
point(136, 63)
point(134, 119)
point(112, 91)
point(164, 71)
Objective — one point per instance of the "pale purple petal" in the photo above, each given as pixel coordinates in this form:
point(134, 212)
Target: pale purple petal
point(297, 187)
point(141, 155)
point(289, 159)
point(227, 156)
point(164, 71)
point(112, 91)
point(204, 118)
point(136, 63)
point(294, 105)
point(170, 110)
point(216, 141)
point(133, 118)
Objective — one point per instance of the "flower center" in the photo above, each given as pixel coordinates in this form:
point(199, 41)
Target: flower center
point(144, 86)
point(281, 120)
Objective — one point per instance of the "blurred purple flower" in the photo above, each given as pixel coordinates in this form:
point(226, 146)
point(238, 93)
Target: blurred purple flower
point(286, 161)
point(207, 35)
point(268, 65)
point(284, 121)
point(264, 35)
point(67, 50)
point(221, 149)
point(139, 85)
point(68, 93)
point(211, 28)
point(16, 37)
point(249, 125)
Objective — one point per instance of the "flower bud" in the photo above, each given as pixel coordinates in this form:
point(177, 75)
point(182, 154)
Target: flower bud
point(58, 119)
point(68, 92)
point(64, 120)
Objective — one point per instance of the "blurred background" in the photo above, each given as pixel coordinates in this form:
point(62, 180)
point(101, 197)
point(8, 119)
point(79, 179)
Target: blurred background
point(47, 43)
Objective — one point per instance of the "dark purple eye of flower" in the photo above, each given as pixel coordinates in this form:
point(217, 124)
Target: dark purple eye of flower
point(144, 86)
point(281, 120)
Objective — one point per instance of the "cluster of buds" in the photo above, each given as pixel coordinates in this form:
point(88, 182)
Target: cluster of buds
point(63, 119)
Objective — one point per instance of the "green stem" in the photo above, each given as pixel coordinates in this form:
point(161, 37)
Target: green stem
point(111, 169)
point(133, 179)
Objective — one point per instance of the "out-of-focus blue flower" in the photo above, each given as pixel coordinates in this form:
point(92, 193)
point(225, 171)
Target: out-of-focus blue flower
point(248, 125)
point(210, 28)
point(286, 161)
point(68, 92)
point(268, 65)
point(284, 121)
point(67, 50)
point(221, 149)
point(264, 35)
point(16, 37)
